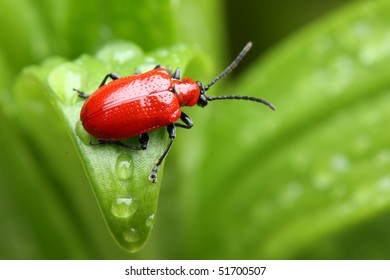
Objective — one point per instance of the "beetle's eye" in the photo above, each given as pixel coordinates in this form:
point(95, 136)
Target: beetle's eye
point(202, 100)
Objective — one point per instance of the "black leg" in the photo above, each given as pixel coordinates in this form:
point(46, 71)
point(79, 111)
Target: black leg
point(85, 96)
point(113, 76)
point(176, 74)
point(172, 134)
point(82, 94)
point(143, 140)
point(187, 121)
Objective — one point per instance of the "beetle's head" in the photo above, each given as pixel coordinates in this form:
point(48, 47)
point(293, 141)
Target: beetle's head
point(202, 100)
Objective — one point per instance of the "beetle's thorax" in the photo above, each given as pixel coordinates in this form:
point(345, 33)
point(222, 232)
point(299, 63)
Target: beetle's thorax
point(187, 92)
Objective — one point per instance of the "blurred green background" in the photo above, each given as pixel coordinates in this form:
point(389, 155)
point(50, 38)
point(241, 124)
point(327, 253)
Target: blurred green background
point(309, 181)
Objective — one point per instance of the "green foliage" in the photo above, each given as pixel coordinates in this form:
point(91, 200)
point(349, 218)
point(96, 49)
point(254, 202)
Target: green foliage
point(307, 181)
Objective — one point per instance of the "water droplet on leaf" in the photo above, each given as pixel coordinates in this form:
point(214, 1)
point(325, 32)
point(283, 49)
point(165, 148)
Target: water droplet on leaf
point(124, 207)
point(82, 134)
point(132, 235)
point(124, 167)
point(340, 163)
point(150, 221)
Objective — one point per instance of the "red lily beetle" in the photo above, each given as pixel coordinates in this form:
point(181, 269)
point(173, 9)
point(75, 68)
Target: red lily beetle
point(135, 105)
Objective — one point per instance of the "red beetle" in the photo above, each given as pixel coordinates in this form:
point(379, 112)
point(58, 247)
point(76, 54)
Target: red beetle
point(135, 105)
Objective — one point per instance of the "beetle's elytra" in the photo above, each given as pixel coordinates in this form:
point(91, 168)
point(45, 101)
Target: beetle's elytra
point(137, 104)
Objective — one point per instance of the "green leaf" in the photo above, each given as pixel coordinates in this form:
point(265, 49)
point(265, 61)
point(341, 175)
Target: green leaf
point(119, 176)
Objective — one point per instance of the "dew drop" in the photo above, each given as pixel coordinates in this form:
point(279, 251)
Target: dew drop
point(131, 235)
point(384, 183)
point(322, 180)
point(119, 53)
point(124, 207)
point(362, 29)
point(149, 63)
point(362, 144)
point(69, 97)
point(163, 53)
point(367, 55)
point(346, 209)
point(323, 45)
point(339, 191)
point(150, 221)
point(340, 163)
point(124, 167)
point(124, 55)
point(82, 134)
point(293, 191)
point(383, 158)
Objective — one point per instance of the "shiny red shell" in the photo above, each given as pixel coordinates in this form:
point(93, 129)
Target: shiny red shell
point(137, 104)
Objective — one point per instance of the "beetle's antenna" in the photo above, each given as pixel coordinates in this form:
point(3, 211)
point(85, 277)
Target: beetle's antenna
point(232, 65)
point(227, 71)
point(237, 97)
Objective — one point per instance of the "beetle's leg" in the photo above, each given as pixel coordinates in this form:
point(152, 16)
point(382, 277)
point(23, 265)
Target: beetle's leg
point(158, 66)
point(113, 76)
point(143, 140)
point(187, 121)
point(172, 134)
point(85, 96)
point(81, 93)
point(176, 74)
